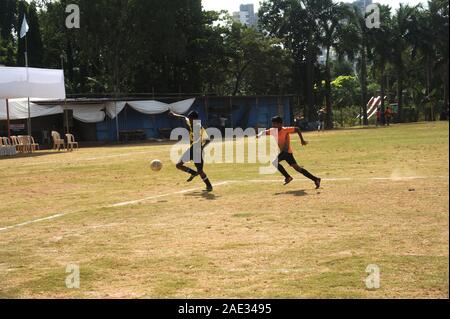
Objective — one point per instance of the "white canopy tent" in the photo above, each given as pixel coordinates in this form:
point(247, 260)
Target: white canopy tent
point(16, 82)
point(31, 83)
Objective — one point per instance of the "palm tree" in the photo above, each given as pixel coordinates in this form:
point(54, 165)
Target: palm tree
point(402, 25)
point(330, 22)
point(438, 11)
point(381, 39)
point(354, 44)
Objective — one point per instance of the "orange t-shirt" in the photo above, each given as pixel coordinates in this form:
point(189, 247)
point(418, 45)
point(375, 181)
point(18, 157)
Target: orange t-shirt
point(284, 138)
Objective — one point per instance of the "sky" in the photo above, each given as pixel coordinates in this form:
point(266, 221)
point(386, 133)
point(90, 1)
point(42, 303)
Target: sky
point(233, 5)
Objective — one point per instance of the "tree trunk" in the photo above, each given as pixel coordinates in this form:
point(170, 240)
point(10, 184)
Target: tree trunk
point(400, 91)
point(446, 88)
point(364, 85)
point(239, 77)
point(383, 94)
point(310, 80)
point(329, 113)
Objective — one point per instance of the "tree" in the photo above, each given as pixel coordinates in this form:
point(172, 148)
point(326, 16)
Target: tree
point(33, 40)
point(382, 43)
point(331, 25)
point(354, 43)
point(438, 13)
point(345, 92)
point(402, 23)
point(8, 18)
point(296, 23)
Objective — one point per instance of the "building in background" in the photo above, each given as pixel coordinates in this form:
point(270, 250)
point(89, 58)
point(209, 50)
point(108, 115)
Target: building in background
point(246, 15)
point(362, 4)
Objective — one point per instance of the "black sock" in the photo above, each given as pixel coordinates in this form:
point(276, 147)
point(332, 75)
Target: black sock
point(189, 170)
point(207, 182)
point(283, 171)
point(308, 175)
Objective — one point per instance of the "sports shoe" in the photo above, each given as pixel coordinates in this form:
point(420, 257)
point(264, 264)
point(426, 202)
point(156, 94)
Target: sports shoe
point(190, 179)
point(288, 180)
point(317, 182)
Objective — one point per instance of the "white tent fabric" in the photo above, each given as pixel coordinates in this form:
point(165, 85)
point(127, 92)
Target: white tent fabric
point(18, 109)
point(87, 114)
point(181, 107)
point(149, 107)
point(35, 83)
point(111, 108)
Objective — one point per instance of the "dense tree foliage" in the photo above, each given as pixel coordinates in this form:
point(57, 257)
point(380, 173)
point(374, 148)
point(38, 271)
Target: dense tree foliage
point(145, 46)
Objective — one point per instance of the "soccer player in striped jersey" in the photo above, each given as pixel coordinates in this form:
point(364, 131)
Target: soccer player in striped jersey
point(199, 139)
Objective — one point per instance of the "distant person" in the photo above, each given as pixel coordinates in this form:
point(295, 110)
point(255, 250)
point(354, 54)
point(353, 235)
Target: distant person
point(223, 124)
point(388, 114)
point(379, 116)
point(321, 115)
point(298, 121)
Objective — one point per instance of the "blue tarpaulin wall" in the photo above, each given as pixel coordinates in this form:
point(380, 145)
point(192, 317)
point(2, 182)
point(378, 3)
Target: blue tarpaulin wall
point(241, 112)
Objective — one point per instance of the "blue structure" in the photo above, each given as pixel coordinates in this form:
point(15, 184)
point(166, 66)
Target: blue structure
point(236, 112)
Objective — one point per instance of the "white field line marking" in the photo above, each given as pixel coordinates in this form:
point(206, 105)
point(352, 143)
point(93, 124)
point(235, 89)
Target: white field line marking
point(217, 184)
point(33, 221)
point(115, 205)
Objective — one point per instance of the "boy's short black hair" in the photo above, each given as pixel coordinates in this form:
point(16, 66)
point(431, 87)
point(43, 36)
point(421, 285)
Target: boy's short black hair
point(193, 115)
point(277, 119)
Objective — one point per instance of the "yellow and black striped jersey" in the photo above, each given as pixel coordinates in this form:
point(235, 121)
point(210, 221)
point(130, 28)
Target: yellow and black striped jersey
point(196, 129)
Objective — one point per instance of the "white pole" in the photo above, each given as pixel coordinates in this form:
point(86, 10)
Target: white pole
point(117, 121)
point(26, 65)
point(66, 115)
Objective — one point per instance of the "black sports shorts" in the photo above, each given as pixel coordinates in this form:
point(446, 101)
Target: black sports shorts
point(189, 156)
point(288, 157)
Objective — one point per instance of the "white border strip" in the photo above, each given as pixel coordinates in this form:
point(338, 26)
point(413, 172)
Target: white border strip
point(33, 221)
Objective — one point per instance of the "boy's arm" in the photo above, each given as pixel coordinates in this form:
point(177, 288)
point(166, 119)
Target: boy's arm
point(177, 115)
point(265, 132)
point(207, 139)
point(304, 142)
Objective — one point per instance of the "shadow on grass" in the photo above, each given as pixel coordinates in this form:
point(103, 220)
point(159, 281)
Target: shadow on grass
point(294, 193)
point(202, 194)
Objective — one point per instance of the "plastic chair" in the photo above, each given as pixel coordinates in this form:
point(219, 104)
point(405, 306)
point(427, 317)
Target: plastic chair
point(71, 142)
point(57, 141)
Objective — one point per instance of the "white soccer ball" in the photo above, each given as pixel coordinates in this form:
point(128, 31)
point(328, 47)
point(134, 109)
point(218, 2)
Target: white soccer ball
point(156, 165)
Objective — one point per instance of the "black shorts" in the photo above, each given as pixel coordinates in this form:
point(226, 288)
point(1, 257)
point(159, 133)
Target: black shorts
point(288, 157)
point(188, 156)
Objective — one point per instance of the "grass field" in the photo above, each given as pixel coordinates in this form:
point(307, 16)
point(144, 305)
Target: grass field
point(384, 201)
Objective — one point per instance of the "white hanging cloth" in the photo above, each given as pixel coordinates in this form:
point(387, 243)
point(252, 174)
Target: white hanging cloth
point(18, 109)
point(110, 108)
point(94, 113)
point(87, 113)
point(182, 107)
point(150, 107)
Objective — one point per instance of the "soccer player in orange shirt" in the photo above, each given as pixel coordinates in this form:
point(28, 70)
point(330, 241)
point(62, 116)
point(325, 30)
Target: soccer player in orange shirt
point(286, 153)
